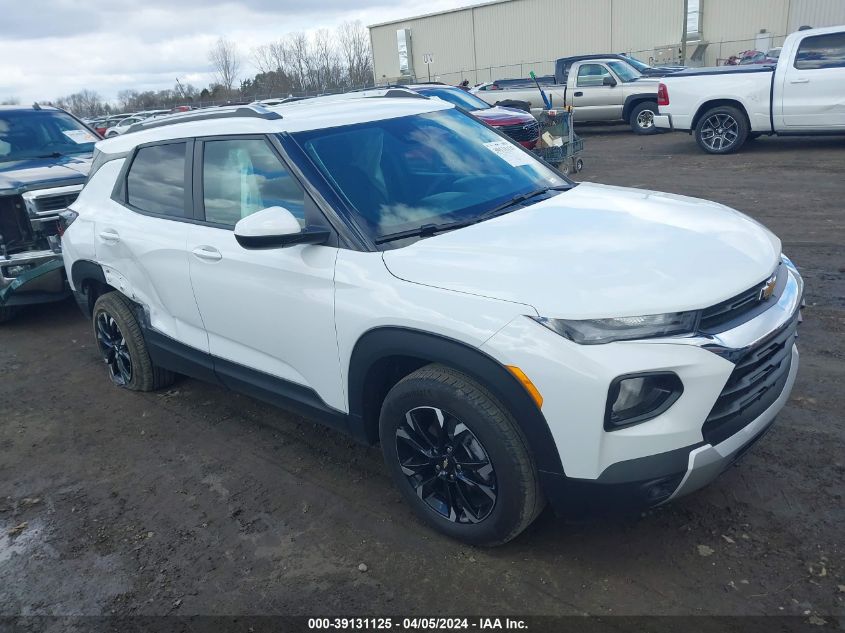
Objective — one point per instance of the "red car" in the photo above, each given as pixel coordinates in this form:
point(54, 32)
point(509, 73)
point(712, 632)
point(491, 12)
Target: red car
point(518, 124)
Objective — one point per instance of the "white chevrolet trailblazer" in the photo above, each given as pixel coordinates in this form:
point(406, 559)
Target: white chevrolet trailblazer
point(404, 273)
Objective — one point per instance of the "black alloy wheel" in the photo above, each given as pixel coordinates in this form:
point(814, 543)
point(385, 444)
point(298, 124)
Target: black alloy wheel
point(447, 465)
point(114, 349)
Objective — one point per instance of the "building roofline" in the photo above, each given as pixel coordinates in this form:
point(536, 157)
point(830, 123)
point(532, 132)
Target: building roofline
point(443, 12)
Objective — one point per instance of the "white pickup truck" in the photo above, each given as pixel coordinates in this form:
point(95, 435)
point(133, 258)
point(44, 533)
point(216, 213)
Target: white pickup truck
point(803, 94)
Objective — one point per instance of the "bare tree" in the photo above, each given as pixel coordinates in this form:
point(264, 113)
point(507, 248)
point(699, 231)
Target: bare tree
point(85, 103)
point(226, 62)
point(355, 50)
point(10, 101)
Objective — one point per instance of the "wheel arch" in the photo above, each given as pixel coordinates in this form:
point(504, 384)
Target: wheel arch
point(714, 103)
point(90, 283)
point(383, 356)
point(632, 101)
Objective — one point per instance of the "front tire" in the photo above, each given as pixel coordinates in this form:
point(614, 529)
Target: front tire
point(721, 130)
point(122, 346)
point(642, 118)
point(458, 457)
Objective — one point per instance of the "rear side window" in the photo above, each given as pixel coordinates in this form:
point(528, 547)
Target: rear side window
point(242, 176)
point(821, 51)
point(590, 75)
point(156, 180)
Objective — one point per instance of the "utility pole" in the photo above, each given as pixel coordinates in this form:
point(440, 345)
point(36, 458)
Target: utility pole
point(684, 34)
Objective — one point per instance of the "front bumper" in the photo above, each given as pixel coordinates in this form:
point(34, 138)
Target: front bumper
point(663, 121)
point(42, 281)
point(681, 449)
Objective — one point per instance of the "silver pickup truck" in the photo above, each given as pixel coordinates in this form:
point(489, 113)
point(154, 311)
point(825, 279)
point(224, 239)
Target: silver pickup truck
point(597, 89)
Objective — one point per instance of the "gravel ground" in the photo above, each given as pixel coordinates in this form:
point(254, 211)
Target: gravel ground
point(199, 501)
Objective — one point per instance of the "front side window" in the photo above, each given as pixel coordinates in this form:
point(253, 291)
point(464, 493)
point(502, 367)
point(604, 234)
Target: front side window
point(821, 51)
point(156, 180)
point(27, 134)
point(242, 176)
point(438, 167)
point(590, 75)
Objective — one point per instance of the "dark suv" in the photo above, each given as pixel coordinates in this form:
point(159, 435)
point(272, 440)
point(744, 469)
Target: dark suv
point(45, 155)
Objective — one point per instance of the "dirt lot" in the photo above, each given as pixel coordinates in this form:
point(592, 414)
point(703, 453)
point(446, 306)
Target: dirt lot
point(198, 501)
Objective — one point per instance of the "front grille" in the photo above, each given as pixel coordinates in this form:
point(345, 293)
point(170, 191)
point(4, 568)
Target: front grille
point(755, 383)
point(55, 202)
point(522, 132)
point(14, 223)
point(726, 314)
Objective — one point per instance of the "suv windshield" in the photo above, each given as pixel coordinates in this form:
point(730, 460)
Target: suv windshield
point(438, 168)
point(456, 96)
point(624, 71)
point(42, 133)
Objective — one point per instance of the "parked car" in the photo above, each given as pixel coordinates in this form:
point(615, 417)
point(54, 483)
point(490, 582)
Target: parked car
point(45, 154)
point(397, 270)
point(517, 124)
point(122, 126)
point(606, 89)
point(563, 65)
point(724, 106)
point(756, 57)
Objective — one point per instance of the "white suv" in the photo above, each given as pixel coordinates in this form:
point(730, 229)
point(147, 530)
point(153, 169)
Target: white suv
point(408, 275)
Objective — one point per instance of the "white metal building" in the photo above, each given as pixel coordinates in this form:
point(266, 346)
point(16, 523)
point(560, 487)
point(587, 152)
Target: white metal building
point(509, 38)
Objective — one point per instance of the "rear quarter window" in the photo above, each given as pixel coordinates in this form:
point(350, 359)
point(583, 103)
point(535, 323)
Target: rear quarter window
point(155, 182)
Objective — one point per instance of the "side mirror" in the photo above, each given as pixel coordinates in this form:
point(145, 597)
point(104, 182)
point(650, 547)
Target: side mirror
point(608, 81)
point(275, 227)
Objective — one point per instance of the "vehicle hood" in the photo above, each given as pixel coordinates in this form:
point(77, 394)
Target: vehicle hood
point(36, 173)
point(599, 251)
point(499, 115)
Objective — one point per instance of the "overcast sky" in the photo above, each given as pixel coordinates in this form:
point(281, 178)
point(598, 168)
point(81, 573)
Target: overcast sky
point(50, 48)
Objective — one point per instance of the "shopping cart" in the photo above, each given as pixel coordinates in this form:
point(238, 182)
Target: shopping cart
point(558, 144)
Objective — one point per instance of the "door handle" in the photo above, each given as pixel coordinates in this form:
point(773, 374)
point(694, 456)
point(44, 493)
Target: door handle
point(579, 94)
point(208, 253)
point(109, 235)
point(803, 80)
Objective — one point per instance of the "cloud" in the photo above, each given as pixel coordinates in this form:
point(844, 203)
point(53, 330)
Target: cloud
point(50, 48)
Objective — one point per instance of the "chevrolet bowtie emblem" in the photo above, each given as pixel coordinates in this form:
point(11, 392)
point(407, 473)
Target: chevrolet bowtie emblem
point(767, 290)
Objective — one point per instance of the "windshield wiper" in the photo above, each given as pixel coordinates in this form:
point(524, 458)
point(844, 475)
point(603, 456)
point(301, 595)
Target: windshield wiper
point(499, 209)
point(426, 230)
point(51, 155)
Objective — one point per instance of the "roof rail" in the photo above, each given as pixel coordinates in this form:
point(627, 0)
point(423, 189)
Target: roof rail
point(247, 111)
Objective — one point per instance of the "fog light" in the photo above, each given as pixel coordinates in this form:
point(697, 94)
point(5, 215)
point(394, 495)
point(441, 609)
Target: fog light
point(635, 398)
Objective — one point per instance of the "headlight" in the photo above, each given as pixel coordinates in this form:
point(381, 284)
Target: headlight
point(595, 331)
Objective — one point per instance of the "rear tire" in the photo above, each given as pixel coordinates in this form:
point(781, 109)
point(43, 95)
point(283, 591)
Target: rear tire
point(721, 130)
point(458, 457)
point(122, 346)
point(642, 118)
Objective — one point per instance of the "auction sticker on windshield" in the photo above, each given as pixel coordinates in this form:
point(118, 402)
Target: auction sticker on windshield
point(80, 136)
point(509, 153)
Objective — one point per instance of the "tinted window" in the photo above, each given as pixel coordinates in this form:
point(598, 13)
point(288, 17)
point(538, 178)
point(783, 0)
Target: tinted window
point(821, 51)
point(42, 133)
point(404, 172)
point(156, 180)
point(591, 75)
point(242, 176)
